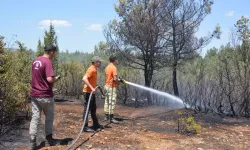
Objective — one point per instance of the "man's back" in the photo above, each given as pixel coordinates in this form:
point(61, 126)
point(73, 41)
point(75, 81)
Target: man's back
point(42, 68)
point(110, 71)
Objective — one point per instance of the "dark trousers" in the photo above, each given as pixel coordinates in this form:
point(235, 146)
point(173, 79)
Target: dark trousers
point(92, 108)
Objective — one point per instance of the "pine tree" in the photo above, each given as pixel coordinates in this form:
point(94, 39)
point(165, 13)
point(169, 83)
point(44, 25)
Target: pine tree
point(2, 44)
point(51, 38)
point(40, 50)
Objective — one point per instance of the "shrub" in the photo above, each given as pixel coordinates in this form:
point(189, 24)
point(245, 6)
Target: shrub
point(188, 125)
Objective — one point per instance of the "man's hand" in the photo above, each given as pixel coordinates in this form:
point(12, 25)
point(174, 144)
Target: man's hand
point(120, 80)
point(93, 89)
point(53, 79)
point(58, 78)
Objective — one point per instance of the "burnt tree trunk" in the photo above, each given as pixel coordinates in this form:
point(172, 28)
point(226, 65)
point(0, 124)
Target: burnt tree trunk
point(175, 86)
point(125, 95)
point(148, 78)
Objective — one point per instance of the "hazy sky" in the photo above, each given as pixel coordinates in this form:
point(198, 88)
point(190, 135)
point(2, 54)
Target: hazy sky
point(79, 23)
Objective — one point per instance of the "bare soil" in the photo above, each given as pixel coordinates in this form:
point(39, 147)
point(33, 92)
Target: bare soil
point(141, 128)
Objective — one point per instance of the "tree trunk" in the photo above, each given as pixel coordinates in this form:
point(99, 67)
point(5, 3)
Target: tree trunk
point(175, 86)
point(148, 95)
point(175, 54)
point(148, 78)
point(125, 95)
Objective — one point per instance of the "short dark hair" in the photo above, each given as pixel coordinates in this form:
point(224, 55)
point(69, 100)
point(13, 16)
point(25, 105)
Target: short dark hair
point(50, 47)
point(112, 58)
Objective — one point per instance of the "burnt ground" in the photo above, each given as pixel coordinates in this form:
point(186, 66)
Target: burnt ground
point(139, 129)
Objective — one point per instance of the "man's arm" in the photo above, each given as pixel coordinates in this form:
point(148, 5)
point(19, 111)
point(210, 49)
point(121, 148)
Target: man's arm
point(86, 81)
point(115, 76)
point(53, 79)
point(49, 71)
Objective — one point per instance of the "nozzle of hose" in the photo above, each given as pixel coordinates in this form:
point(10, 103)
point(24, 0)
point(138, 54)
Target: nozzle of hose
point(121, 80)
point(101, 91)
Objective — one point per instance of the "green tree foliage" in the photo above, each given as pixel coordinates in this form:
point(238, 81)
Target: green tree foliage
point(242, 27)
point(211, 53)
point(242, 63)
point(182, 18)
point(2, 64)
point(72, 68)
point(137, 35)
point(49, 38)
point(15, 80)
point(2, 44)
point(220, 82)
point(152, 34)
point(40, 50)
point(102, 49)
point(2, 61)
point(71, 83)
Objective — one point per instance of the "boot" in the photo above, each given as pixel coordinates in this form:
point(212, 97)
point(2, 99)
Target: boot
point(97, 127)
point(106, 117)
point(87, 129)
point(113, 120)
point(50, 141)
point(32, 144)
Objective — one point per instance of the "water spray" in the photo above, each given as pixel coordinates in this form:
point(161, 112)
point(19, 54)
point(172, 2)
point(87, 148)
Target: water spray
point(176, 99)
point(121, 80)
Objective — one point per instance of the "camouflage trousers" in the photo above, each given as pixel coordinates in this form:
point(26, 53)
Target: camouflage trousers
point(110, 100)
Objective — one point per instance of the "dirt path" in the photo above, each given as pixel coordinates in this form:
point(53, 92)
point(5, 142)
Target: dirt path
point(149, 128)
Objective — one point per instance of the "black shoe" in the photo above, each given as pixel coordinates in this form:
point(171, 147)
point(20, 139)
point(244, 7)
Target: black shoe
point(32, 145)
point(87, 129)
point(113, 120)
point(97, 127)
point(50, 141)
point(106, 118)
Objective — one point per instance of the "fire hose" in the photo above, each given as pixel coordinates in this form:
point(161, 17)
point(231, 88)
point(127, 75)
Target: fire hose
point(85, 117)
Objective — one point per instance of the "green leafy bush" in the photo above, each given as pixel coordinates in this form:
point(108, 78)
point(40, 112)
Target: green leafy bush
point(15, 79)
point(188, 125)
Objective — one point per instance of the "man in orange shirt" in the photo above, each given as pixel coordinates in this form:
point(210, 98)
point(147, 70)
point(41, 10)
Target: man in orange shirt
point(110, 86)
point(90, 79)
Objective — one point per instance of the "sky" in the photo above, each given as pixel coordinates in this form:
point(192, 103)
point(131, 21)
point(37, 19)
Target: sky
point(79, 23)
